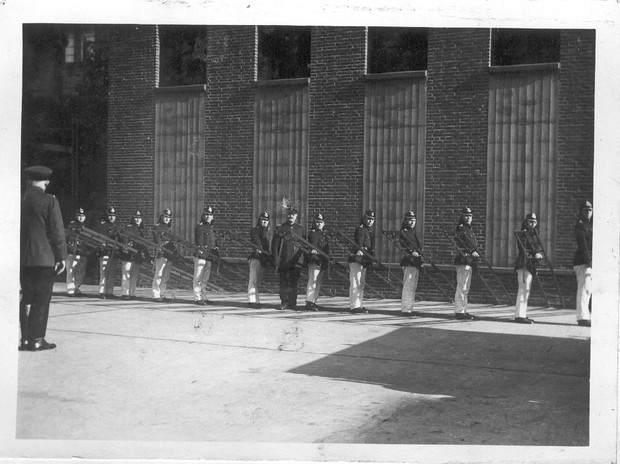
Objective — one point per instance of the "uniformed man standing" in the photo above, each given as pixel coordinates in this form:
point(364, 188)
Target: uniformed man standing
point(163, 258)
point(42, 256)
point(359, 262)
point(582, 263)
point(259, 258)
point(317, 264)
point(465, 263)
point(206, 241)
point(288, 258)
point(132, 261)
point(411, 263)
point(526, 268)
point(107, 255)
point(77, 255)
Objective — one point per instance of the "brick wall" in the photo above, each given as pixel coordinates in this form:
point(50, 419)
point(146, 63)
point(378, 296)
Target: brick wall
point(337, 124)
point(457, 112)
point(133, 75)
point(575, 135)
point(229, 124)
point(456, 133)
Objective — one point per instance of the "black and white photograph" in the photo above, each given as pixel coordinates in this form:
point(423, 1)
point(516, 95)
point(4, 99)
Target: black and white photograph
point(331, 232)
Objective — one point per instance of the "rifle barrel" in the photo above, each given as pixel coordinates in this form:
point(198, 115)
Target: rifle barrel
point(104, 240)
point(247, 242)
point(352, 243)
point(392, 236)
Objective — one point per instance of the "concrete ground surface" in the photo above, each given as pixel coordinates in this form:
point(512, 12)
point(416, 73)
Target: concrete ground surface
point(174, 371)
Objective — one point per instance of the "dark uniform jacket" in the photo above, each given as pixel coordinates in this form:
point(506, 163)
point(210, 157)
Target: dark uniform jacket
point(364, 239)
point(289, 255)
point(205, 239)
point(318, 238)
point(42, 234)
point(410, 242)
point(108, 229)
point(74, 244)
point(258, 236)
point(142, 254)
point(168, 247)
point(470, 243)
point(583, 237)
point(526, 257)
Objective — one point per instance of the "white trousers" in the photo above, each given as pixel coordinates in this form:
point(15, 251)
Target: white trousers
point(411, 275)
point(76, 270)
point(357, 283)
point(315, 280)
point(463, 283)
point(129, 277)
point(524, 279)
point(163, 266)
point(202, 273)
point(106, 275)
point(583, 272)
point(254, 280)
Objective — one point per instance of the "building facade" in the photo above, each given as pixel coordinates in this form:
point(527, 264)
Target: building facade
point(503, 140)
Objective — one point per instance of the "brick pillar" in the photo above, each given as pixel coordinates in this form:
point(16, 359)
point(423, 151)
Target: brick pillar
point(336, 167)
point(456, 133)
point(229, 128)
point(133, 74)
point(575, 136)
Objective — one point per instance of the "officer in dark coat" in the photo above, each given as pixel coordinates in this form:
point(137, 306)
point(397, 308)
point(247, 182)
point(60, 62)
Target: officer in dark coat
point(359, 262)
point(582, 263)
point(289, 259)
point(77, 254)
point(259, 258)
point(42, 256)
point(411, 262)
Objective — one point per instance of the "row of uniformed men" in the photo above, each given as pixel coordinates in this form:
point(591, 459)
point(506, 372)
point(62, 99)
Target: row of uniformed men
point(289, 258)
point(43, 254)
point(132, 262)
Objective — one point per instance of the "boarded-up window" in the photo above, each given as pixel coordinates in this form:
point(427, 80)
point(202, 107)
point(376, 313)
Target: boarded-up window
point(394, 151)
point(522, 157)
point(179, 157)
point(281, 147)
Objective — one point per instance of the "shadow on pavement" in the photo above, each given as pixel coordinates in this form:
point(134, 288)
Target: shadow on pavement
point(474, 388)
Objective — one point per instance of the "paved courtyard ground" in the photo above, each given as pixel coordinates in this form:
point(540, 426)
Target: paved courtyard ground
point(143, 371)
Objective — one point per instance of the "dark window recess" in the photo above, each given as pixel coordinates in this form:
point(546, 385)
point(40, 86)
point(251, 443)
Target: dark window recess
point(524, 46)
point(283, 52)
point(395, 49)
point(182, 56)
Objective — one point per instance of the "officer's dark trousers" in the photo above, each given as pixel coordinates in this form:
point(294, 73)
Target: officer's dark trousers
point(289, 279)
point(37, 284)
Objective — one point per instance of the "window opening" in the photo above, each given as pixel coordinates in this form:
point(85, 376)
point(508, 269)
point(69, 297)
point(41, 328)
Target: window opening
point(79, 45)
point(397, 49)
point(283, 52)
point(182, 55)
point(524, 46)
